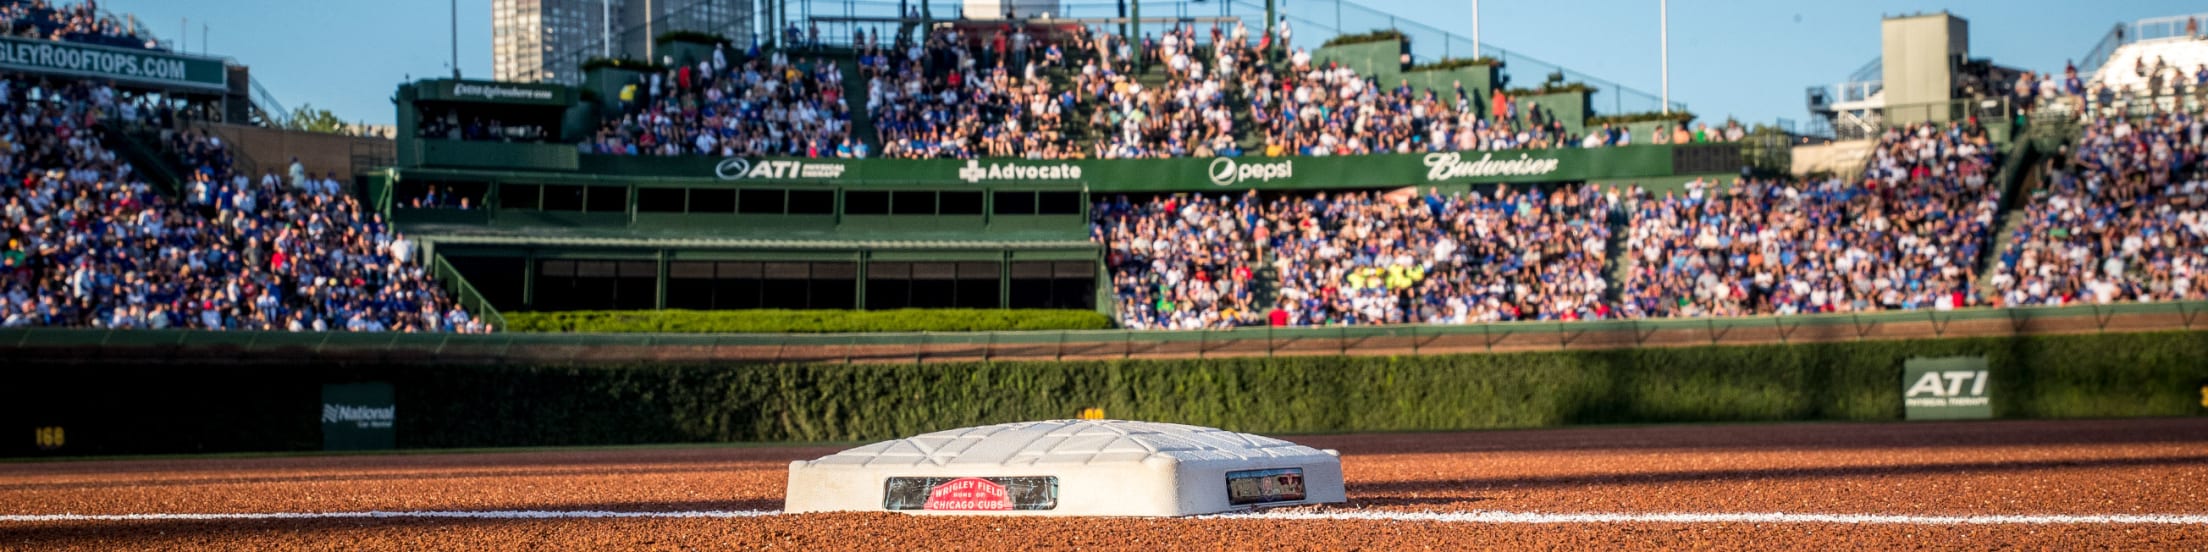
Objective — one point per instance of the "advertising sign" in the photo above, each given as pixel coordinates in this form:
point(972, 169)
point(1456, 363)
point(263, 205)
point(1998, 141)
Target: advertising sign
point(359, 416)
point(107, 62)
point(1950, 388)
point(970, 493)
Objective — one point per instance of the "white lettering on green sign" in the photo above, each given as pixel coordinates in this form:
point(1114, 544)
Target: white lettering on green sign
point(54, 56)
point(1444, 166)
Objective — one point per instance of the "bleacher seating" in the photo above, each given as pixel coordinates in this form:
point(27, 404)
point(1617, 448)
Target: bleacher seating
point(80, 22)
point(89, 243)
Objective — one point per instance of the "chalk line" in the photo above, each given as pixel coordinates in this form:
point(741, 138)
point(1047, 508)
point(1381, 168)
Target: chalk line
point(1475, 516)
point(1483, 516)
point(445, 514)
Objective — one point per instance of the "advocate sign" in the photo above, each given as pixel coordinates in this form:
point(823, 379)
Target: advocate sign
point(106, 62)
point(1951, 388)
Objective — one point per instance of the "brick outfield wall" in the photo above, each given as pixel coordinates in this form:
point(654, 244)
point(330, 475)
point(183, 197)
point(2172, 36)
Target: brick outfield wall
point(272, 149)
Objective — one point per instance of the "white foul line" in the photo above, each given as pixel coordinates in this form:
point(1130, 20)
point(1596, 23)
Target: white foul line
point(453, 514)
point(1476, 516)
point(1481, 516)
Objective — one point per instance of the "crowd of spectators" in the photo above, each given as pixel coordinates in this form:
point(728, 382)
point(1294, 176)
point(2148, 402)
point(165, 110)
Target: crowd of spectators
point(1906, 237)
point(1351, 258)
point(765, 105)
point(90, 244)
point(1397, 257)
point(80, 22)
point(446, 124)
point(1183, 261)
point(2073, 93)
point(964, 93)
point(2119, 219)
point(995, 91)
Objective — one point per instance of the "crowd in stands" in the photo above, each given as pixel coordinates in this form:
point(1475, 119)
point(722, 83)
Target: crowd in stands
point(80, 22)
point(2121, 218)
point(1181, 262)
point(446, 124)
point(1906, 237)
point(960, 93)
point(2069, 91)
point(1075, 92)
point(1383, 258)
point(768, 105)
point(91, 244)
point(1188, 261)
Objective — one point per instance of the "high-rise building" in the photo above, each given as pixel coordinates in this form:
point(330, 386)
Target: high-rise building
point(546, 40)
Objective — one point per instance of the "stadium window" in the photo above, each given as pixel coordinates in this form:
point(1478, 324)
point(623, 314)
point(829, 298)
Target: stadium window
point(636, 285)
point(888, 285)
point(661, 200)
point(1030, 285)
point(912, 203)
point(865, 203)
point(759, 202)
point(959, 203)
point(1073, 285)
point(834, 286)
point(555, 289)
point(737, 285)
point(520, 196)
point(559, 197)
point(498, 278)
point(785, 285)
point(934, 285)
point(712, 201)
point(1053, 285)
point(977, 285)
point(812, 202)
point(607, 199)
point(690, 285)
point(1058, 203)
point(595, 285)
point(1012, 203)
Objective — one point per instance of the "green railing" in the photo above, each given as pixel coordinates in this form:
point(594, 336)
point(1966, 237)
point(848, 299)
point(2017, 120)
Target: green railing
point(465, 292)
point(109, 345)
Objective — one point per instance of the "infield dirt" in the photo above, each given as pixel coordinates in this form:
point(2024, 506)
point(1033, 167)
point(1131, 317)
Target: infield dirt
point(2105, 467)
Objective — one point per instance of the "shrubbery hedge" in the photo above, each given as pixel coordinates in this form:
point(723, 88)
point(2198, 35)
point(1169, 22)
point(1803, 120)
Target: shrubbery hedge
point(1379, 35)
point(206, 404)
point(806, 321)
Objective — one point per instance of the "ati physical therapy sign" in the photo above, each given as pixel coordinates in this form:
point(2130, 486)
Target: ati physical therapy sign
point(1952, 388)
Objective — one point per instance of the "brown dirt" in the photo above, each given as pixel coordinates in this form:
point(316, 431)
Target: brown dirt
point(2076, 467)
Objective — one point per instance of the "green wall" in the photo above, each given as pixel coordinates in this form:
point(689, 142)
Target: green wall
point(194, 403)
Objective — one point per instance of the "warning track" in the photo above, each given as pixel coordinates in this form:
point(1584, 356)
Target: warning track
point(2112, 483)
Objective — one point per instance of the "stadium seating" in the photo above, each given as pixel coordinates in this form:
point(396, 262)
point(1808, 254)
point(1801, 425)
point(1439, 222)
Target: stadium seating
point(1905, 238)
point(91, 244)
point(2120, 219)
point(764, 106)
point(80, 22)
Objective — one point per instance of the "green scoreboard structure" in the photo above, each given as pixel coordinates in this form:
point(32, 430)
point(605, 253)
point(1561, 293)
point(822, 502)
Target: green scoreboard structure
point(531, 223)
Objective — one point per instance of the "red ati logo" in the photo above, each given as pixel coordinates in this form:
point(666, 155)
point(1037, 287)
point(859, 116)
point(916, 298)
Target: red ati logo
point(968, 493)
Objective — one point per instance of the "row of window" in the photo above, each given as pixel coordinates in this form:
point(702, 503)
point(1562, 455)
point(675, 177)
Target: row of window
point(747, 201)
point(633, 285)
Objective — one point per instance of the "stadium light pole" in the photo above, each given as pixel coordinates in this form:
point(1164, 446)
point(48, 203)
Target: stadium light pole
point(455, 39)
point(1663, 35)
point(1475, 29)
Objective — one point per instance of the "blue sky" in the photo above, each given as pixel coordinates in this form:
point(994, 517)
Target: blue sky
point(1740, 58)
